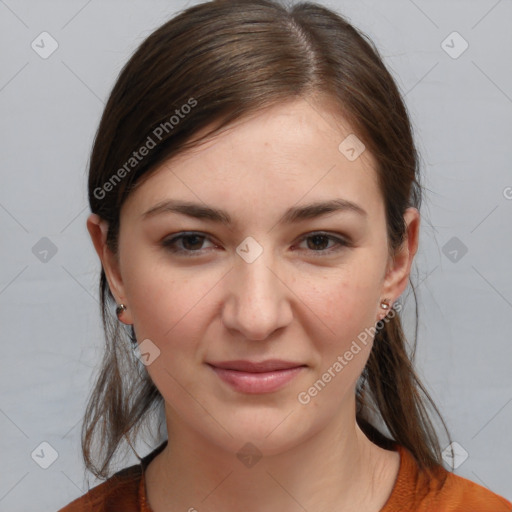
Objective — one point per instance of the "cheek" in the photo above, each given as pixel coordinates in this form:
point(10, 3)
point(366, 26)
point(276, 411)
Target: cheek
point(169, 304)
point(345, 301)
point(344, 305)
point(169, 308)
point(163, 304)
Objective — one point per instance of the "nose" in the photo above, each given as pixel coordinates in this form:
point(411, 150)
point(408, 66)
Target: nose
point(257, 300)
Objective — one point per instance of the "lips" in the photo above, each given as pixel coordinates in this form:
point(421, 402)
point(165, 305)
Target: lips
point(256, 377)
point(269, 365)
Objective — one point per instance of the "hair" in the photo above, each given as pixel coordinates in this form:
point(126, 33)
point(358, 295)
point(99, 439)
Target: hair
point(209, 65)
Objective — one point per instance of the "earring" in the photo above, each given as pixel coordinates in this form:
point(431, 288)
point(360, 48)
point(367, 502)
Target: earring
point(384, 304)
point(119, 309)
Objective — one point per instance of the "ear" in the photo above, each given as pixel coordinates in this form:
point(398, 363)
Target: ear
point(98, 229)
point(399, 266)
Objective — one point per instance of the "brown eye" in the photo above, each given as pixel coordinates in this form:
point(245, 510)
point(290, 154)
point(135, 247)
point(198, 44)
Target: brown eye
point(319, 243)
point(185, 243)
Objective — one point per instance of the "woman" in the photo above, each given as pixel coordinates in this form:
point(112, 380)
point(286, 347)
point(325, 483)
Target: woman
point(255, 205)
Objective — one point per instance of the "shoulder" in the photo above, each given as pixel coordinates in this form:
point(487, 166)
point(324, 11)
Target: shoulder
point(459, 493)
point(439, 490)
point(119, 492)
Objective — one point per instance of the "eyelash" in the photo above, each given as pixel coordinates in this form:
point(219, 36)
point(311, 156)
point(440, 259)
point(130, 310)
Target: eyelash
point(169, 244)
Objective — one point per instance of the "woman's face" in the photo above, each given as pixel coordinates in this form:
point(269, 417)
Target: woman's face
point(265, 276)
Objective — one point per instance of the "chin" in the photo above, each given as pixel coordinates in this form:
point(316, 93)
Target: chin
point(270, 432)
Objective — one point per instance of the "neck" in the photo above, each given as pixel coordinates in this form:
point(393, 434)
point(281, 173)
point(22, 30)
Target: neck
point(337, 468)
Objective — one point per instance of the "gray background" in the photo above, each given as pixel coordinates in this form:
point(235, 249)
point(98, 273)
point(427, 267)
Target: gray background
point(50, 325)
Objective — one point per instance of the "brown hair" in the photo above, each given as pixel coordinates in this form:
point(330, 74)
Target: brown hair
point(219, 61)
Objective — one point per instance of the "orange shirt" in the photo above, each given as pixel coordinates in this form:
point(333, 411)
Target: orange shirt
point(413, 491)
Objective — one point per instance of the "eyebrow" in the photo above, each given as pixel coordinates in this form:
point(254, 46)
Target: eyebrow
point(293, 214)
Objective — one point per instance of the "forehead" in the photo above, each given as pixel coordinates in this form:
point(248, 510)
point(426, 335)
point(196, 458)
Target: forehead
point(279, 156)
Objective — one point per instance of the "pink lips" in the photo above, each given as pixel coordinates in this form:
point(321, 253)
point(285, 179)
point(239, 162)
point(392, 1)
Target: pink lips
point(256, 377)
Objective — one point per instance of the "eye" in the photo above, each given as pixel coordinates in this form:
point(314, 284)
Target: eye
point(316, 243)
point(190, 243)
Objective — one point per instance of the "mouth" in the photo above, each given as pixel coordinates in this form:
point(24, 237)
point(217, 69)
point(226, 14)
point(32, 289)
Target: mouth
point(256, 377)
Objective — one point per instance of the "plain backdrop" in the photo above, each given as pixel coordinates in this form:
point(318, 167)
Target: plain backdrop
point(452, 61)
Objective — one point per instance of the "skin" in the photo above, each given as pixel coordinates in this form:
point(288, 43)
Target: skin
point(297, 301)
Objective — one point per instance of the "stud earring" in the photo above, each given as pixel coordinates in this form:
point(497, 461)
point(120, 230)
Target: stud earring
point(119, 309)
point(384, 304)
